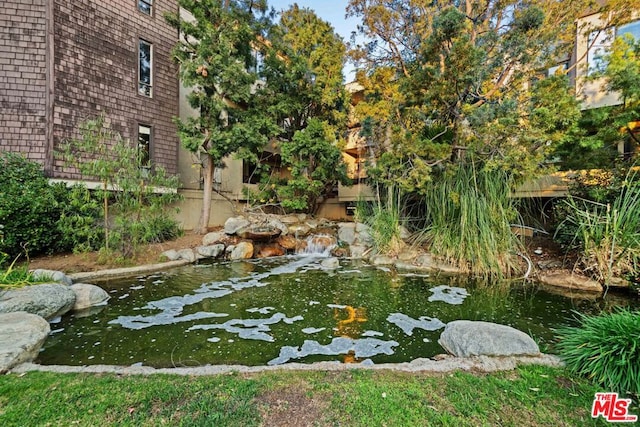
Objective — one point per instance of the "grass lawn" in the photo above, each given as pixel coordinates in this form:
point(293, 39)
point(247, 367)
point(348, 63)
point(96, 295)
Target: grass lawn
point(528, 396)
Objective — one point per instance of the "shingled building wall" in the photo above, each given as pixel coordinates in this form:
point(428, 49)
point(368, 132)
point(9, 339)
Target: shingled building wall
point(65, 61)
point(23, 27)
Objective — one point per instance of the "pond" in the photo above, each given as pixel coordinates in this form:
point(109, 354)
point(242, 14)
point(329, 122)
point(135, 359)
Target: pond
point(294, 309)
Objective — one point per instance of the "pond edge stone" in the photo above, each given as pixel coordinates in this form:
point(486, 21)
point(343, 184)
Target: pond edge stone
point(484, 364)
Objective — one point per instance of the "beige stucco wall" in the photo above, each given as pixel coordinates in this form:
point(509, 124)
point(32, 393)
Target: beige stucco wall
point(191, 207)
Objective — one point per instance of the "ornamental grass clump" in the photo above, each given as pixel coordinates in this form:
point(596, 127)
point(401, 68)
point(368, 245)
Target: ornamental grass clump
point(608, 234)
point(605, 349)
point(469, 213)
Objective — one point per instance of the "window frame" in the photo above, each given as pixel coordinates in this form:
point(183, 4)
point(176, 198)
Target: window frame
point(146, 168)
point(143, 88)
point(598, 46)
point(148, 3)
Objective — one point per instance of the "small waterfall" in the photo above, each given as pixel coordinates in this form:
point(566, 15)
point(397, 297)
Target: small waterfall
point(319, 245)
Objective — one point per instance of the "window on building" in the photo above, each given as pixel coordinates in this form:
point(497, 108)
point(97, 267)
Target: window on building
point(258, 64)
point(144, 147)
point(145, 66)
point(599, 43)
point(560, 68)
point(269, 162)
point(145, 6)
point(632, 28)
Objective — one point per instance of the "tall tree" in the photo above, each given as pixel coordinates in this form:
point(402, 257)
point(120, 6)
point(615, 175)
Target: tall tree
point(467, 73)
point(304, 71)
point(217, 58)
point(304, 89)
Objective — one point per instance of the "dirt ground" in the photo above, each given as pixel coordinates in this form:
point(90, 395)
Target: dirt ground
point(92, 261)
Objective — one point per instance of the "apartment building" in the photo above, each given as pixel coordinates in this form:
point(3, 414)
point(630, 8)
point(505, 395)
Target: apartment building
point(63, 61)
point(594, 38)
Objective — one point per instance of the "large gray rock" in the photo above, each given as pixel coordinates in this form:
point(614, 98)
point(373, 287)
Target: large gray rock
point(213, 237)
point(21, 336)
point(212, 251)
point(48, 300)
point(243, 250)
point(276, 223)
point(363, 234)
point(347, 232)
point(88, 296)
point(41, 274)
point(171, 255)
point(187, 254)
point(465, 338)
point(233, 224)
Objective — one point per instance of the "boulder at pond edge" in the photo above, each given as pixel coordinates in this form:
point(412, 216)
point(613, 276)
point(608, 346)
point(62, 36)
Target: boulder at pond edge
point(465, 338)
point(21, 336)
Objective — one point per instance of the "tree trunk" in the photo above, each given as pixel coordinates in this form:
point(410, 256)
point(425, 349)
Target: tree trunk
point(206, 197)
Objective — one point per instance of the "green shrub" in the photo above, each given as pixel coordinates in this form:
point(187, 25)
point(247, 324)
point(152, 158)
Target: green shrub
point(132, 200)
point(13, 276)
point(384, 217)
point(29, 207)
point(608, 233)
point(605, 349)
point(79, 224)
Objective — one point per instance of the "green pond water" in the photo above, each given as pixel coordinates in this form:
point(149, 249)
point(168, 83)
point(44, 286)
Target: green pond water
point(292, 309)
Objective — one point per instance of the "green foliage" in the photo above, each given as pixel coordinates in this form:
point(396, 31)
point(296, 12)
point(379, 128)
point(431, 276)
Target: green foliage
point(384, 218)
point(315, 164)
point(457, 83)
point(303, 73)
point(469, 214)
point(304, 94)
point(13, 276)
point(217, 58)
point(216, 55)
point(133, 198)
point(29, 207)
point(605, 349)
point(607, 232)
point(595, 142)
point(79, 223)
point(623, 71)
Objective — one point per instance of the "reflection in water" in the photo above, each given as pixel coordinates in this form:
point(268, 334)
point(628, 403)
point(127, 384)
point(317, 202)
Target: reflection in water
point(349, 327)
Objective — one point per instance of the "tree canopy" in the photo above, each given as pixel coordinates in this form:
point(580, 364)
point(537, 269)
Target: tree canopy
point(461, 81)
point(305, 94)
point(217, 58)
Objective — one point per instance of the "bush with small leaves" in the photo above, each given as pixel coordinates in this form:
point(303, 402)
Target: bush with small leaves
point(29, 207)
